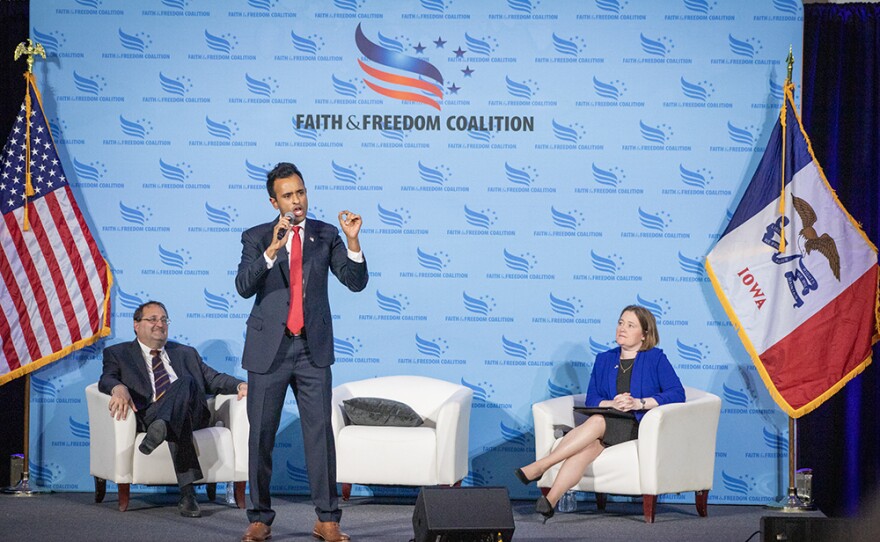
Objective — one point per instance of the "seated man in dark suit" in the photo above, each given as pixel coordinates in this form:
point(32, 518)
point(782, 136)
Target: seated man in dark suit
point(165, 384)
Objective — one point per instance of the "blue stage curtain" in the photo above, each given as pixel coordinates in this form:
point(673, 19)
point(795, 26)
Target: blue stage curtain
point(14, 22)
point(841, 112)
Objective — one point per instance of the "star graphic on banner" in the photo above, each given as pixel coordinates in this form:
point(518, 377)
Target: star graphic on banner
point(439, 43)
point(453, 89)
point(419, 48)
point(467, 71)
point(459, 52)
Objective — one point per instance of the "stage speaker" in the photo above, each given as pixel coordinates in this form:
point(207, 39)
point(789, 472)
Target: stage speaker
point(799, 528)
point(463, 514)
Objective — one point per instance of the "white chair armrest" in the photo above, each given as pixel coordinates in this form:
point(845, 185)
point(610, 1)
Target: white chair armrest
point(337, 414)
point(452, 431)
point(677, 445)
point(233, 414)
point(111, 441)
point(546, 414)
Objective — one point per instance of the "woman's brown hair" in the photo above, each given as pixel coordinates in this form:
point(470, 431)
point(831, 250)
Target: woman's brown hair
point(648, 323)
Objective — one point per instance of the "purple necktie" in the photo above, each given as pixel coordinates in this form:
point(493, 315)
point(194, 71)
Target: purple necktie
point(161, 380)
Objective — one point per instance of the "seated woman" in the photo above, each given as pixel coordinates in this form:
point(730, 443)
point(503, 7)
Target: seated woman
point(632, 378)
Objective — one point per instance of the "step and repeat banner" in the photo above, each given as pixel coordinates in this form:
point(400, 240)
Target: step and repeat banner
point(524, 170)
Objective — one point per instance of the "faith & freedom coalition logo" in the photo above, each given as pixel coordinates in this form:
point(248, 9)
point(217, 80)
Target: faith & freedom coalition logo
point(391, 73)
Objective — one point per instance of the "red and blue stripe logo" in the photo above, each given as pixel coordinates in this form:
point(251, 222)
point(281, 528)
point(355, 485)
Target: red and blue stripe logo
point(399, 76)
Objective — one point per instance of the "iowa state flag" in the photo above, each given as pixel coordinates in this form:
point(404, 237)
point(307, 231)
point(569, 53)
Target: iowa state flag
point(797, 275)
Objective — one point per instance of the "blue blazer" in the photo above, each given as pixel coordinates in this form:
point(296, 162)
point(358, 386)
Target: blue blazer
point(653, 376)
point(323, 252)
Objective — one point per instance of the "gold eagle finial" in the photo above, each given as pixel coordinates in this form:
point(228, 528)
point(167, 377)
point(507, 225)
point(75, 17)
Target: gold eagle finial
point(31, 50)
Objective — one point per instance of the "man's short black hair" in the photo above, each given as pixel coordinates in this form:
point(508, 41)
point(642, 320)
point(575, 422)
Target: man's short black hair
point(282, 170)
point(139, 312)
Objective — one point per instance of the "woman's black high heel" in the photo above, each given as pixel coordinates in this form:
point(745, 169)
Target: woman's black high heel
point(543, 507)
point(523, 478)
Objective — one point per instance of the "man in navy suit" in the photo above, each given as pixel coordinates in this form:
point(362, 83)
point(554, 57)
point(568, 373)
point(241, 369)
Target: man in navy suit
point(285, 264)
point(164, 384)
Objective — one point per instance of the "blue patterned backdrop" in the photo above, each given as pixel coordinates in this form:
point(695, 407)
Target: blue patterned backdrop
point(552, 162)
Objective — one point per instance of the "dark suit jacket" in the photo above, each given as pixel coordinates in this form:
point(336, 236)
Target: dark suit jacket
point(653, 376)
point(124, 364)
point(323, 251)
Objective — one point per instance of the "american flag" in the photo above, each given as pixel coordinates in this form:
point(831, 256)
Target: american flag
point(56, 285)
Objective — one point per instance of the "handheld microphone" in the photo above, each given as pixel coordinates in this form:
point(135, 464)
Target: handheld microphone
point(282, 233)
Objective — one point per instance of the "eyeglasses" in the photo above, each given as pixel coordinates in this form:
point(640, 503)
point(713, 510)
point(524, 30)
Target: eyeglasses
point(155, 320)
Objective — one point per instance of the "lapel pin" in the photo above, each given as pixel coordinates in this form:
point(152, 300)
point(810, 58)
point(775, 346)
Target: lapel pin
point(312, 239)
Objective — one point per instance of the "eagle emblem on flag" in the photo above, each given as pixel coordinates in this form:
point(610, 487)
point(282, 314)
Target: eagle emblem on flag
point(812, 240)
point(808, 327)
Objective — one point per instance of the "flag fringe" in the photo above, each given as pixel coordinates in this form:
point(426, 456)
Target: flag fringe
point(28, 187)
point(46, 360)
point(876, 336)
point(740, 330)
point(783, 122)
point(747, 343)
point(814, 404)
point(789, 97)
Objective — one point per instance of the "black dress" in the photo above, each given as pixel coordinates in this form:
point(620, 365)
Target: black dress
point(625, 427)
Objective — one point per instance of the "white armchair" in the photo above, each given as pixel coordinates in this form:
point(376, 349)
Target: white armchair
point(435, 453)
point(675, 451)
point(113, 455)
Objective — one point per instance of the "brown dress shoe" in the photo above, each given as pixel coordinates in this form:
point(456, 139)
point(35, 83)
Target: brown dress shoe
point(328, 531)
point(257, 532)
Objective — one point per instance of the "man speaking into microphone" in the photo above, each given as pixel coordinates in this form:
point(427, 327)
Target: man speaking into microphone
point(289, 341)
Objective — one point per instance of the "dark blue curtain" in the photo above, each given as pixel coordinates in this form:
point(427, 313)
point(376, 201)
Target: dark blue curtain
point(841, 112)
point(13, 30)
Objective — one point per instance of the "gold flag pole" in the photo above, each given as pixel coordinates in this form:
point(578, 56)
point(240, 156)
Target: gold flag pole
point(32, 50)
point(24, 487)
point(792, 502)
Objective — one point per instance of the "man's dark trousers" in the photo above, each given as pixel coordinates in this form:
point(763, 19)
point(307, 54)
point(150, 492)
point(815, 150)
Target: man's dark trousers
point(183, 411)
point(313, 389)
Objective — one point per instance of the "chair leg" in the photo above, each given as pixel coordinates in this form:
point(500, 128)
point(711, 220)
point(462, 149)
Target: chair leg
point(601, 500)
point(100, 489)
point(702, 501)
point(124, 492)
point(649, 503)
point(346, 492)
point(239, 494)
point(211, 490)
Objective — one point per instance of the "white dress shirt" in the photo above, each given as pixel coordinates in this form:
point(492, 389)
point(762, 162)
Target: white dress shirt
point(166, 361)
point(357, 257)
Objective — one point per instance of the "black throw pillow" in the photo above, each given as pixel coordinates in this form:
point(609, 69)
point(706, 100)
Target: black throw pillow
point(378, 411)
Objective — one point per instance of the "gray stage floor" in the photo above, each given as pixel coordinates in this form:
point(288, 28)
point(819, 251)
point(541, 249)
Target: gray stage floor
point(75, 516)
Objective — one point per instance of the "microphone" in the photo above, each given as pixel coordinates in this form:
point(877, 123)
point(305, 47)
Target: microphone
point(282, 233)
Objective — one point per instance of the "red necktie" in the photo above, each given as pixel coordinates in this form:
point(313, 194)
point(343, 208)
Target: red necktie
point(161, 380)
point(295, 316)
